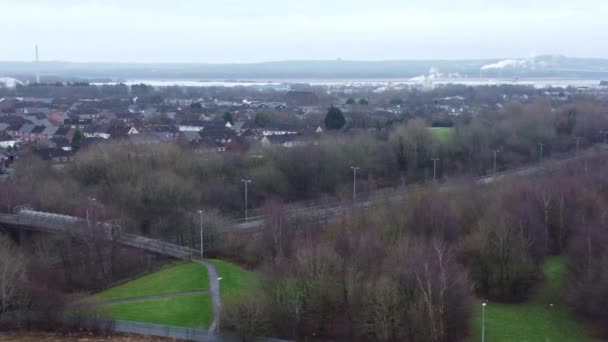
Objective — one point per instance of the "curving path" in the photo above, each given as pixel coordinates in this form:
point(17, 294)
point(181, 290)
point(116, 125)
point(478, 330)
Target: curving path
point(214, 290)
point(164, 295)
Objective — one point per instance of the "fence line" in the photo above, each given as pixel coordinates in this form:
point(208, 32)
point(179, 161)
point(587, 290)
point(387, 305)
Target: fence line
point(179, 332)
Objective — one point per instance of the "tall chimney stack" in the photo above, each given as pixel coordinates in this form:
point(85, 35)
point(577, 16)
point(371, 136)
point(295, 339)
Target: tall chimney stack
point(37, 66)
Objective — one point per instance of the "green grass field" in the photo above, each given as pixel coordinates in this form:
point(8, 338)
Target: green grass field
point(193, 311)
point(179, 278)
point(533, 320)
point(236, 281)
point(445, 135)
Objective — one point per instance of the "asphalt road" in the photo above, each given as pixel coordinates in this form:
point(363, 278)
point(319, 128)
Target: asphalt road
point(325, 211)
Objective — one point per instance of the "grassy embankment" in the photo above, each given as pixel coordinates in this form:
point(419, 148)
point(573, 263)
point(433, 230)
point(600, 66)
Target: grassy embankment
point(535, 319)
point(193, 310)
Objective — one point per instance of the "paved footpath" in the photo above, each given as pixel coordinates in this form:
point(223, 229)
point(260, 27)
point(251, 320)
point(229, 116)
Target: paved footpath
point(214, 290)
point(164, 295)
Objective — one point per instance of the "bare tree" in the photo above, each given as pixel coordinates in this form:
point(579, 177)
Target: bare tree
point(12, 276)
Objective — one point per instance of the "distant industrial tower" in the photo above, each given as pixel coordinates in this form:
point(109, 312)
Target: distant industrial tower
point(37, 66)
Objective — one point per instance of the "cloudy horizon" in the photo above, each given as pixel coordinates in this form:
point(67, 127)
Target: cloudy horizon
point(190, 31)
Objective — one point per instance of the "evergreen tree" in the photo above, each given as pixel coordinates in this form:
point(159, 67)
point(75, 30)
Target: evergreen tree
point(334, 118)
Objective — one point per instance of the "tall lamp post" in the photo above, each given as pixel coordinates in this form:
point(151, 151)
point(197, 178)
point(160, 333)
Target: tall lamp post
point(354, 168)
point(435, 160)
point(246, 181)
point(200, 212)
point(88, 213)
point(495, 153)
point(605, 133)
point(483, 322)
point(577, 143)
point(541, 151)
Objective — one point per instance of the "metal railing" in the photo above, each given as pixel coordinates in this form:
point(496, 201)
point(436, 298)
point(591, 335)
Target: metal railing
point(58, 223)
point(189, 334)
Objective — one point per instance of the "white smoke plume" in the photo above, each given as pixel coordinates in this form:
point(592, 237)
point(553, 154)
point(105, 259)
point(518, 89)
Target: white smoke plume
point(509, 63)
point(9, 82)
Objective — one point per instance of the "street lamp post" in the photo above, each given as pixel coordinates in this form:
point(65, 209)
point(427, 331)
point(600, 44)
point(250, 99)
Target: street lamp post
point(541, 151)
point(577, 143)
point(219, 317)
point(435, 160)
point(91, 201)
point(495, 152)
point(246, 181)
point(605, 133)
point(201, 215)
point(483, 322)
point(354, 168)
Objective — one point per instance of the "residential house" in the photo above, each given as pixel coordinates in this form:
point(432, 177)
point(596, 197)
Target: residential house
point(207, 145)
point(301, 98)
point(8, 105)
point(268, 105)
point(56, 155)
point(240, 126)
point(43, 111)
point(49, 131)
point(13, 128)
point(151, 137)
point(166, 128)
point(192, 126)
point(189, 138)
point(120, 131)
point(65, 132)
point(148, 113)
point(7, 141)
point(78, 123)
point(24, 133)
point(62, 143)
point(106, 131)
point(285, 140)
point(249, 134)
point(87, 142)
point(4, 159)
point(223, 135)
point(97, 131)
point(37, 101)
point(277, 129)
point(128, 117)
point(57, 118)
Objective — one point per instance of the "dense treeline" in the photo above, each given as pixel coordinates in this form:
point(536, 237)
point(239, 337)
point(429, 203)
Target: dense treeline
point(32, 296)
point(405, 269)
point(408, 268)
point(154, 189)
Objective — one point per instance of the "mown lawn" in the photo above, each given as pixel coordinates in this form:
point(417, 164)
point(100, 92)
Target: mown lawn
point(236, 281)
point(445, 135)
point(193, 311)
point(186, 311)
point(179, 278)
point(534, 320)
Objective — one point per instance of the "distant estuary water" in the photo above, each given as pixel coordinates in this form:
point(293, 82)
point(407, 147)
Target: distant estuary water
point(421, 81)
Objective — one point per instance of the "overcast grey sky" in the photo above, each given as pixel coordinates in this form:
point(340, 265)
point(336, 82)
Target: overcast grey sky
point(269, 30)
